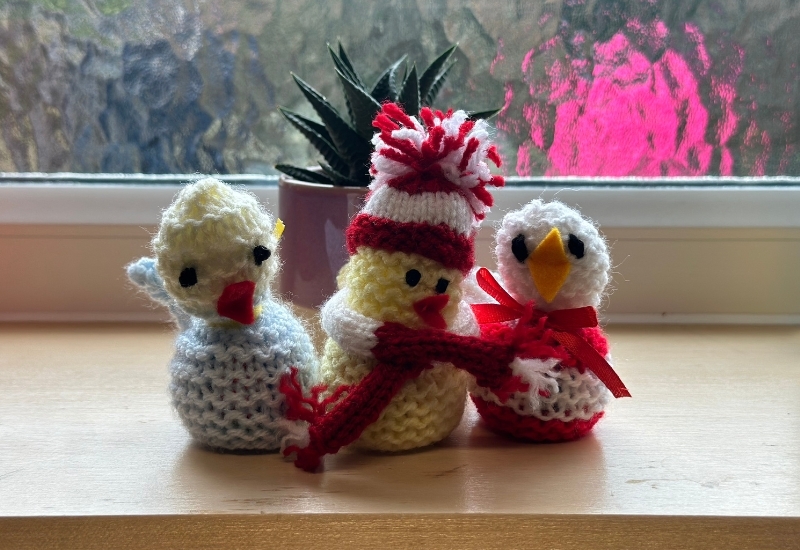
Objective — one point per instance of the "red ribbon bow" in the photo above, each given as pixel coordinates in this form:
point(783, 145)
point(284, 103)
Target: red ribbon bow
point(564, 323)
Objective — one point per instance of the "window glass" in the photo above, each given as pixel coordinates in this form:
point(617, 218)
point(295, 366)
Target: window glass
point(588, 87)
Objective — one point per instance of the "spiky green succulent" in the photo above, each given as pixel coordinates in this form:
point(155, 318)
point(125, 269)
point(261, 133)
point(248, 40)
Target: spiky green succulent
point(345, 143)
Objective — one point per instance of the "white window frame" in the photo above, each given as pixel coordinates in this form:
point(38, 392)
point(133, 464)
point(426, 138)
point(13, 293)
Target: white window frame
point(746, 216)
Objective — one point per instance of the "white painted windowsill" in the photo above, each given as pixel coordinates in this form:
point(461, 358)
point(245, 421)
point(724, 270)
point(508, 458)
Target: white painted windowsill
point(740, 203)
point(690, 251)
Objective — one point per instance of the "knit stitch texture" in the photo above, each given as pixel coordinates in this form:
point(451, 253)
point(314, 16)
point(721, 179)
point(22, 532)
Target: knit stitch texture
point(214, 229)
point(505, 421)
point(224, 381)
point(216, 254)
point(410, 248)
point(589, 275)
point(565, 399)
point(426, 408)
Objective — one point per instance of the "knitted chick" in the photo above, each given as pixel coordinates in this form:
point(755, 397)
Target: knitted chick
point(555, 266)
point(215, 257)
point(416, 292)
point(398, 323)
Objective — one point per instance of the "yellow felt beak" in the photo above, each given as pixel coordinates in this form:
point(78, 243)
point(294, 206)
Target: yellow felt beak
point(549, 265)
point(279, 227)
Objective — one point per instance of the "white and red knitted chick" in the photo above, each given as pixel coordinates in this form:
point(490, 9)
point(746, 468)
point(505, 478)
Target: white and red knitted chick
point(554, 267)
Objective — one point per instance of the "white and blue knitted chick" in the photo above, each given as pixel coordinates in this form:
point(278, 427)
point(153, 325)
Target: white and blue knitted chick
point(215, 256)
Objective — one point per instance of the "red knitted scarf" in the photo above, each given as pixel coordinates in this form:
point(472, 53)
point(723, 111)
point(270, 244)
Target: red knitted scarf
point(402, 354)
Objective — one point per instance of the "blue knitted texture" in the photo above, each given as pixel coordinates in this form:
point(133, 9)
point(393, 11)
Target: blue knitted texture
point(216, 253)
point(143, 273)
point(224, 381)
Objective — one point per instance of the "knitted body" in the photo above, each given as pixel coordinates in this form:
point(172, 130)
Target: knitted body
point(564, 398)
point(423, 412)
point(427, 408)
point(570, 411)
point(216, 255)
point(224, 381)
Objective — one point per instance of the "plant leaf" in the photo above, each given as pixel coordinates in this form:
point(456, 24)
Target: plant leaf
point(342, 180)
point(346, 69)
point(346, 62)
point(363, 107)
point(486, 115)
point(303, 174)
point(430, 97)
point(385, 88)
point(409, 94)
point(342, 63)
point(318, 135)
point(350, 145)
point(312, 124)
point(434, 69)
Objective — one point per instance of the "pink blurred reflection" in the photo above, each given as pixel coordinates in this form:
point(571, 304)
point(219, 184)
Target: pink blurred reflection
point(620, 113)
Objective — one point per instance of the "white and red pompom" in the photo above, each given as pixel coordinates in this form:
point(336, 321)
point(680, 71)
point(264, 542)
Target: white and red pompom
point(447, 153)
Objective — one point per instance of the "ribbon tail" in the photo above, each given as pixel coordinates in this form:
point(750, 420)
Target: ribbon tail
point(595, 362)
point(490, 286)
point(569, 320)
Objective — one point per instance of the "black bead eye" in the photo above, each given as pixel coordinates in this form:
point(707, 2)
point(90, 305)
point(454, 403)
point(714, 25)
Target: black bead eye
point(519, 249)
point(261, 254)
point(441, 286)
point(575, 246)
point(188, 277)
point(413, 277)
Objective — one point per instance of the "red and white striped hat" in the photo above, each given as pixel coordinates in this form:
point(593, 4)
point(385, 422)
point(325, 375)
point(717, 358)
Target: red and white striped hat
point(428, 194)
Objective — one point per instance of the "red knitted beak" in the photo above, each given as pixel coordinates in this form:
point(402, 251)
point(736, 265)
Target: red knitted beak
point(236, 302)
point(430, 310)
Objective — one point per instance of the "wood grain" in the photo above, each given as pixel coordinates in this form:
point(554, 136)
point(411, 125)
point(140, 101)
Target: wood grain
point(457, 532)
point(707, 448)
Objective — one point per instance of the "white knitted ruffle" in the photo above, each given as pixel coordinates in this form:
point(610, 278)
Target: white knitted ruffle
point(568, 393)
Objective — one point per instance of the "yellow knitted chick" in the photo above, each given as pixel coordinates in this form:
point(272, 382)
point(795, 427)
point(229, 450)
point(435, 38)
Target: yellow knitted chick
point(429, 407)
point(398, 320)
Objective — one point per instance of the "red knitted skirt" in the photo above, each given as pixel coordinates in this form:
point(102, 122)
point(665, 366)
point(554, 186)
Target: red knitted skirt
point(506, 421)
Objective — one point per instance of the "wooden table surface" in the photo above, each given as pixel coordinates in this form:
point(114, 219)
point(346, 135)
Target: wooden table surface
point(706, 454)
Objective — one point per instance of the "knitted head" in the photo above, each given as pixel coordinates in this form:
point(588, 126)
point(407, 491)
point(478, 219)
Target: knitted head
point(414, 238)
point(215, 251)
point(548, 253)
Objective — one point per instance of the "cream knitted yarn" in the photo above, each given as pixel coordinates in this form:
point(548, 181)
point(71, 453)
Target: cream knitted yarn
point(427, 408)
point(213, 229)
point(588, 276)
point(424, 411)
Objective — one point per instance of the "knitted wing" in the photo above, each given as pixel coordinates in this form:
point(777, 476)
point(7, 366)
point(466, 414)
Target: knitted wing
point(143, 273)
